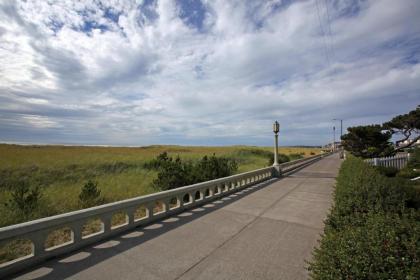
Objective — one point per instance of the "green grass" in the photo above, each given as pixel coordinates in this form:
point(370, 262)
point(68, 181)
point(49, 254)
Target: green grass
point(61, 171)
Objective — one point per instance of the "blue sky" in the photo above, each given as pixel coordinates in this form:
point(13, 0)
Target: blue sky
point(201, 72)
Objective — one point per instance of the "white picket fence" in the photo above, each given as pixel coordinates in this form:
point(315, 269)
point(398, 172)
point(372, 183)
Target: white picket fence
point(398, 161)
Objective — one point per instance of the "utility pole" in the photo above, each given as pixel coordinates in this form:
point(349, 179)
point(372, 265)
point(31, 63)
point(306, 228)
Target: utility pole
point(341, 136)
point(333, 147)
point(341, 127)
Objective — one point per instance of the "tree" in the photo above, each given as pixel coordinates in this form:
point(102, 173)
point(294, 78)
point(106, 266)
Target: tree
point(367, 141)
point(90, 194)
point(406, 125)
point(25, 199)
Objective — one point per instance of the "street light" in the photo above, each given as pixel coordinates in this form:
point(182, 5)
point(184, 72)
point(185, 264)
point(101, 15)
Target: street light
point(341, 127)
point(276, 129)
point(341, 136)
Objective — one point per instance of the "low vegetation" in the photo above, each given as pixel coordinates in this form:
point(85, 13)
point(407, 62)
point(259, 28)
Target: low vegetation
point(373, 230)
point(39, 181)
point(90, 195)
point(175, 173)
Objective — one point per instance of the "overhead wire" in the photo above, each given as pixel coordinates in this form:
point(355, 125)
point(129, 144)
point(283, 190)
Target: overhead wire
point(329, 28)
point(323, 33)
point(329, 50)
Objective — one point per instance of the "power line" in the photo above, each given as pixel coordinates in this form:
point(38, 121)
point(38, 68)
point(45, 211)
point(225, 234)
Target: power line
point(329, 27)
point(323, 33)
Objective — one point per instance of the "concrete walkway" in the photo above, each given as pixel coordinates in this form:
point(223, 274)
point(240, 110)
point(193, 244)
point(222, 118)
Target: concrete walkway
point(263, 232)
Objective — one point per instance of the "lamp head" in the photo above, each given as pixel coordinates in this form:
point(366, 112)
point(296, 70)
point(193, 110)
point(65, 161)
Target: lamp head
point(276, 127)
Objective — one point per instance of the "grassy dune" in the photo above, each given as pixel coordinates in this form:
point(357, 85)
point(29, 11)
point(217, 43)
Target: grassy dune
point(61, 171)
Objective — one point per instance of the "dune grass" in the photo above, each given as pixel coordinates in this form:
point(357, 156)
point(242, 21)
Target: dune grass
point(61, 171)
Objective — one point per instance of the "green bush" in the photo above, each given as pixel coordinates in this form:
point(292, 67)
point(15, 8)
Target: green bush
point(361, 188)
point(90, 195)
point(386, 247)
point(412, 170)
point(209, 168)
point(282, 158)
point(24, 199)
point(373, 230)
point(174, 173)
point(387, 171)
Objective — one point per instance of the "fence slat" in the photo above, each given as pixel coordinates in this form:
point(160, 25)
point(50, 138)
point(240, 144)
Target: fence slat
point(398, 161)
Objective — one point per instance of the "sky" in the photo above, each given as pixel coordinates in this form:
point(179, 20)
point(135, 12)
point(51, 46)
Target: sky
point(203, 72)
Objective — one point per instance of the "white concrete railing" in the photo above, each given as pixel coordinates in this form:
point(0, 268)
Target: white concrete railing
point(172, 202)
point(398, 161)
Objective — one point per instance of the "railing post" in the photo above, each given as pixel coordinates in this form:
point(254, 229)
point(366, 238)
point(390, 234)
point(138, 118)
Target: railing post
point(38, 241)
point(130, 215)
point(77, 229)
point(106, 219)
point(166, 205)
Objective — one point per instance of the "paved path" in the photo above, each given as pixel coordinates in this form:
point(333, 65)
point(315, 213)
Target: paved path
point(263, 232)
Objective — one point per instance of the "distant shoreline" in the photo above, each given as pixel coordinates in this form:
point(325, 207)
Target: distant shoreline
point(144, 146)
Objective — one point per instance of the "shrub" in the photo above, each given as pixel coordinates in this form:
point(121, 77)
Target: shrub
point(412, 169)
point(90, 195)
point(387, 171)
point(372, 231)
point(160, 160)
point(385, 247)
point(282, 158)
point(360, 189)
point(174, 173)
point(209, 168)
point(24, 200)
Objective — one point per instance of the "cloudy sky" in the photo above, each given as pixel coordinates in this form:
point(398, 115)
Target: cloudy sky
point(203, 72)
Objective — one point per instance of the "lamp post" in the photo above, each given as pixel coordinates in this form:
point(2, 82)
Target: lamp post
point(341, 136)
point(333, 147)
point(341, 127)
point(276, 129)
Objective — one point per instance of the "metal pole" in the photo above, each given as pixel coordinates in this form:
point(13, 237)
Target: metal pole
point(334, 139)
point(341, 129)
point(276, 165)
point(276, 149)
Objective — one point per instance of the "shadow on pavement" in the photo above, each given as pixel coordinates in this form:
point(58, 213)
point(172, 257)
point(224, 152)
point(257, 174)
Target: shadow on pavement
point(72, 263)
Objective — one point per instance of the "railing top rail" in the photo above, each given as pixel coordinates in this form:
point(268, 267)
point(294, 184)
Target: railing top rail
point(118, 205)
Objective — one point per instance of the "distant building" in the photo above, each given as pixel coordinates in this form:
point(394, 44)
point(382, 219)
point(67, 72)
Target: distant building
point(332, 146)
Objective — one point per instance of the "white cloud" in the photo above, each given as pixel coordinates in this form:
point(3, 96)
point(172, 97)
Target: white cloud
point(133, 72)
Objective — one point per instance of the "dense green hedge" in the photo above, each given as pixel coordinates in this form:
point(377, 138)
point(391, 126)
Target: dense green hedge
point(373, 230)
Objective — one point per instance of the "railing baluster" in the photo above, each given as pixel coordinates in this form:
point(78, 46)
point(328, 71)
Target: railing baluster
point(38, 240)
point(106, 219)
point(77, 229)
point(130, 215)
